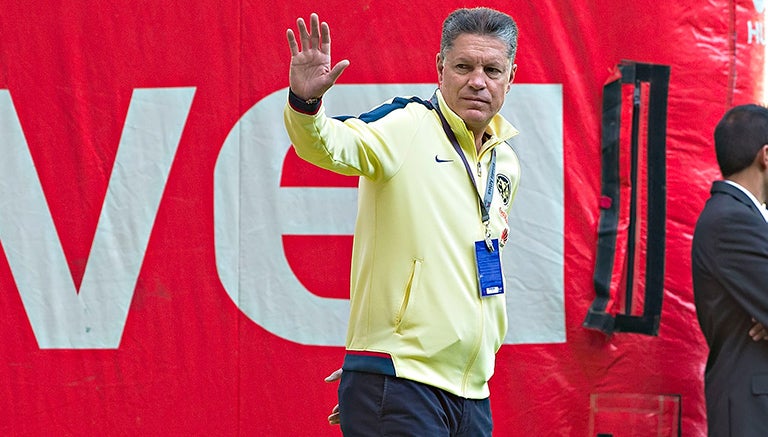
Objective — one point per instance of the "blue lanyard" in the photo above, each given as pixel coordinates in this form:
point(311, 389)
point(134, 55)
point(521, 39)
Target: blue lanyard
point(488, 198)
point(485, 202)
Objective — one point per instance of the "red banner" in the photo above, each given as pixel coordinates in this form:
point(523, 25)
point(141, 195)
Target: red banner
point(170, 267)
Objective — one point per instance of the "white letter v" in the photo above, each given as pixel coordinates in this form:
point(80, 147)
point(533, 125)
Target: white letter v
point(95, 317)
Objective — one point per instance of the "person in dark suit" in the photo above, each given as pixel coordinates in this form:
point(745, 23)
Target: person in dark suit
point(730, 277)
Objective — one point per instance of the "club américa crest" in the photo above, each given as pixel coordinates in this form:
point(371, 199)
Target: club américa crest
point(503, 186)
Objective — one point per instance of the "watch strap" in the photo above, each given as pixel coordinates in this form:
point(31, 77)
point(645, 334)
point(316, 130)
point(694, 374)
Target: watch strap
point(309, 106)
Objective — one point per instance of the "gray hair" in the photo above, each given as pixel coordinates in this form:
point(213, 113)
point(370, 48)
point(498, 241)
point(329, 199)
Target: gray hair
point(479, 21)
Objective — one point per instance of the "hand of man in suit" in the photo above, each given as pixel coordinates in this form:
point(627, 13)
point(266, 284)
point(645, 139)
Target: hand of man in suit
point(758, 332)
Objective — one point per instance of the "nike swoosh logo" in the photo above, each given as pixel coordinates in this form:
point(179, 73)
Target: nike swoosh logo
point(442, 160)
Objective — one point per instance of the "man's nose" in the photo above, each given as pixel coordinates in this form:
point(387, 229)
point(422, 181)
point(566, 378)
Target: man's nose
point(477, 79)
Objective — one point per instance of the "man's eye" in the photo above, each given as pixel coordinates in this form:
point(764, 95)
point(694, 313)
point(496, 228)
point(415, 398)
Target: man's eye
point(493, 72)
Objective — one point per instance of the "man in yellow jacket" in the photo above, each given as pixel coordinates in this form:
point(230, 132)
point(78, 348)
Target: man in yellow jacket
point(437, 181)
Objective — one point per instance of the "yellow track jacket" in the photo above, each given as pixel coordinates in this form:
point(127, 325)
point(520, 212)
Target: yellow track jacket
point(416, 310)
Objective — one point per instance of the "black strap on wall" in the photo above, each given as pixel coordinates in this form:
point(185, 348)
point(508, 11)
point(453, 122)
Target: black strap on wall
point(657, 78)
point(597, 318)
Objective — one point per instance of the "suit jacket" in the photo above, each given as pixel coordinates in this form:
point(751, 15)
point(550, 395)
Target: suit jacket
point(730, 284)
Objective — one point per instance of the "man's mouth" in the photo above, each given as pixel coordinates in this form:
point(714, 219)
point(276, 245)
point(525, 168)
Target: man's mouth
point(476, 99)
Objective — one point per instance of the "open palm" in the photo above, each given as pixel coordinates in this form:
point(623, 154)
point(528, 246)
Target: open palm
point(311, 74)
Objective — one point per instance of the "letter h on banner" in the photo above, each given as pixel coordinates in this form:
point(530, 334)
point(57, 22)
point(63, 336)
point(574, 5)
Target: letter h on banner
point(647, 85)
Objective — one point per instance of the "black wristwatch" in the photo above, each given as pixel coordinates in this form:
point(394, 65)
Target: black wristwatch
point(308, 106)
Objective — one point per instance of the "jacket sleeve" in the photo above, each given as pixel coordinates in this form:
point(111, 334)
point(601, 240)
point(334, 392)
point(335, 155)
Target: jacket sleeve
point(350, 147)
point(741, 260)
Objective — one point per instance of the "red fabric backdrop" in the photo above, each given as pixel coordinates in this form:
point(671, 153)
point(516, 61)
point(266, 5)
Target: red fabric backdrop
point(189, 361)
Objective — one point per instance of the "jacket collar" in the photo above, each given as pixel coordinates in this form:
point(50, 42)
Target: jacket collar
point(498, 128)
point(723, 187)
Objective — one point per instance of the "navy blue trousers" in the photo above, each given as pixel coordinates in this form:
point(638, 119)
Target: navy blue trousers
point(379, 405)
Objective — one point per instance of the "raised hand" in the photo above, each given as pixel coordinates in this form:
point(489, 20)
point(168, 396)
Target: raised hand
point(311, 74)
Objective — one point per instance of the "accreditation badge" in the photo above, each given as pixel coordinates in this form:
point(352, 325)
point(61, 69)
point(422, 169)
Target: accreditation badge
point(489, 275)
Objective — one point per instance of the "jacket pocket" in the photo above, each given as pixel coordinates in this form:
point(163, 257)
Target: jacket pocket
point(410, 286)
point(760, 384)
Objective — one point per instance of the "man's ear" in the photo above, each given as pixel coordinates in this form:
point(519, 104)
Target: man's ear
point(512, 72)
point(440, 65)
point(762, 157)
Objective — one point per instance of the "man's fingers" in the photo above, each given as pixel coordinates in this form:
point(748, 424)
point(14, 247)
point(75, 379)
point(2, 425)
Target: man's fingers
point(335, 376)
point(292, 44)
point(337, 70)
point(325, 37)
point(303, 33)
point(333, 419)
point(314, 31)
point(758, 331)
point(317, 36)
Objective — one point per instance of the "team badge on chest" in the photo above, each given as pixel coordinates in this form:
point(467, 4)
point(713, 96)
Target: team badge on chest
point(503, 187)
